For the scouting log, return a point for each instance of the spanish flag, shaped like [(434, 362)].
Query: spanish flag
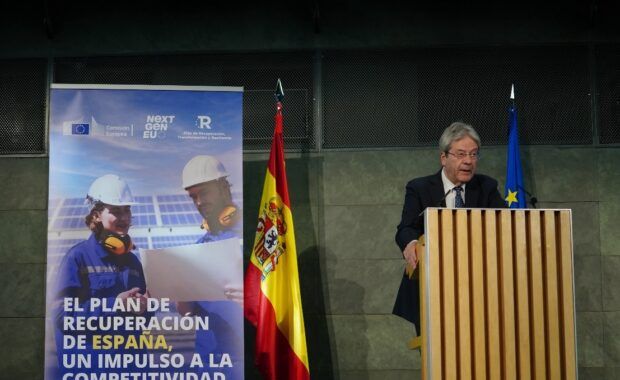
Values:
[(272, 297)]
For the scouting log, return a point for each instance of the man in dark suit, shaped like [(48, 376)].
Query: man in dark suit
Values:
[(455, 185)]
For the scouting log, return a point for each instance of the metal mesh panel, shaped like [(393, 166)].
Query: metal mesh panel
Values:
[(23, 86), (256, 72), (369, 99), (608, 84), (407, 98), (551, 85)]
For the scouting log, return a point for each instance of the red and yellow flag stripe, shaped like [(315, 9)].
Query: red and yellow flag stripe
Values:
[(272, 295)]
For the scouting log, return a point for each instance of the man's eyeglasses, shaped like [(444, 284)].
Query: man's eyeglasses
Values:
[(461, 155)]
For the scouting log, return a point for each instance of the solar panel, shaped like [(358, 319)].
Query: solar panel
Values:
[(177, 207), (181, 219), (173, 198), (144, 213), (74, 202), (143, 209), (70, 215), (144, 220), (143, 199), (73, 211), (173, 241), (69, 223), (178, 210), (140, 242), (80, 211)]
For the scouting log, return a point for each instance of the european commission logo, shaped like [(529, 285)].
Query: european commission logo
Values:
[(76, 129)]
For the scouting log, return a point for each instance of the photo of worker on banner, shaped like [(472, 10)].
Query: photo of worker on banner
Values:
[(144, 269)]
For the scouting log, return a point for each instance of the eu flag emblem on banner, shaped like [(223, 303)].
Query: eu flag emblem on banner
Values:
[(79, 129), (514, 193)]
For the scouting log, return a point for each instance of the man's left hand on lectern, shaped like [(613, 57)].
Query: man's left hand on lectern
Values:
[(412, 254)]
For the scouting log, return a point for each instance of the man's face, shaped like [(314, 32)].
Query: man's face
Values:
[(116, 219), (207, 197), (460, 170)]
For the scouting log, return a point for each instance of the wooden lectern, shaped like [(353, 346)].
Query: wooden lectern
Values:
[(497, 295)]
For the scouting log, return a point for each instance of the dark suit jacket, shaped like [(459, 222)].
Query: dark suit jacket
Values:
[(425, 192)]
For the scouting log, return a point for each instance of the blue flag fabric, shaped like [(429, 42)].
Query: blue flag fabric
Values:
[(514, 194)]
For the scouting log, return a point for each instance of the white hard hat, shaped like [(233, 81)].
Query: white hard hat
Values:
[(202, 169), (110, 189)]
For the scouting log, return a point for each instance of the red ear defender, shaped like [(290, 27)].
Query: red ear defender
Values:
[(116, 243)]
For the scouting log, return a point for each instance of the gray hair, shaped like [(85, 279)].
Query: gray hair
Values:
[(457, 131)]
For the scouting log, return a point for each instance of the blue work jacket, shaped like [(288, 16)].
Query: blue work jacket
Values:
[(88, 271)]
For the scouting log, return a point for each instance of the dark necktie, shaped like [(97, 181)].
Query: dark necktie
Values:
[(458, 199)]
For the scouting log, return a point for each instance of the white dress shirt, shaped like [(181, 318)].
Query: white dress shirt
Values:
[(449, 186)]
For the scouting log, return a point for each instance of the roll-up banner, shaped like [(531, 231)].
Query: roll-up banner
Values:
[(144, 257)]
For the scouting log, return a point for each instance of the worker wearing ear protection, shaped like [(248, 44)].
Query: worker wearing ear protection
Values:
[(102, 267), (206, 181)]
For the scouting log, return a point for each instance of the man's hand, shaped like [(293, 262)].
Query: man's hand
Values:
[(143, 299), (128, 294), (410, 254), (134, 293)]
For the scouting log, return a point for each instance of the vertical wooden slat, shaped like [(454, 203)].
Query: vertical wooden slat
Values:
[(478, 301), (568, 307), (492, 289), (537, 312), (463, 289), (551, 297), (422, 263), (450, 367), (435, 295), (433, 281), (507, 297), (522, 286)]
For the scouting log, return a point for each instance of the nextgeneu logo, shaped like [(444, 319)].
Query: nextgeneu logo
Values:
[(157, 125)]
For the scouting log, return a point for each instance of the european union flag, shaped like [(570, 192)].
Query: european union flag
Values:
[(514, 192), (79, 129)]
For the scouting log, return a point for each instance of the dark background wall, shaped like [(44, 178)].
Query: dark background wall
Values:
[(370, 86)]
